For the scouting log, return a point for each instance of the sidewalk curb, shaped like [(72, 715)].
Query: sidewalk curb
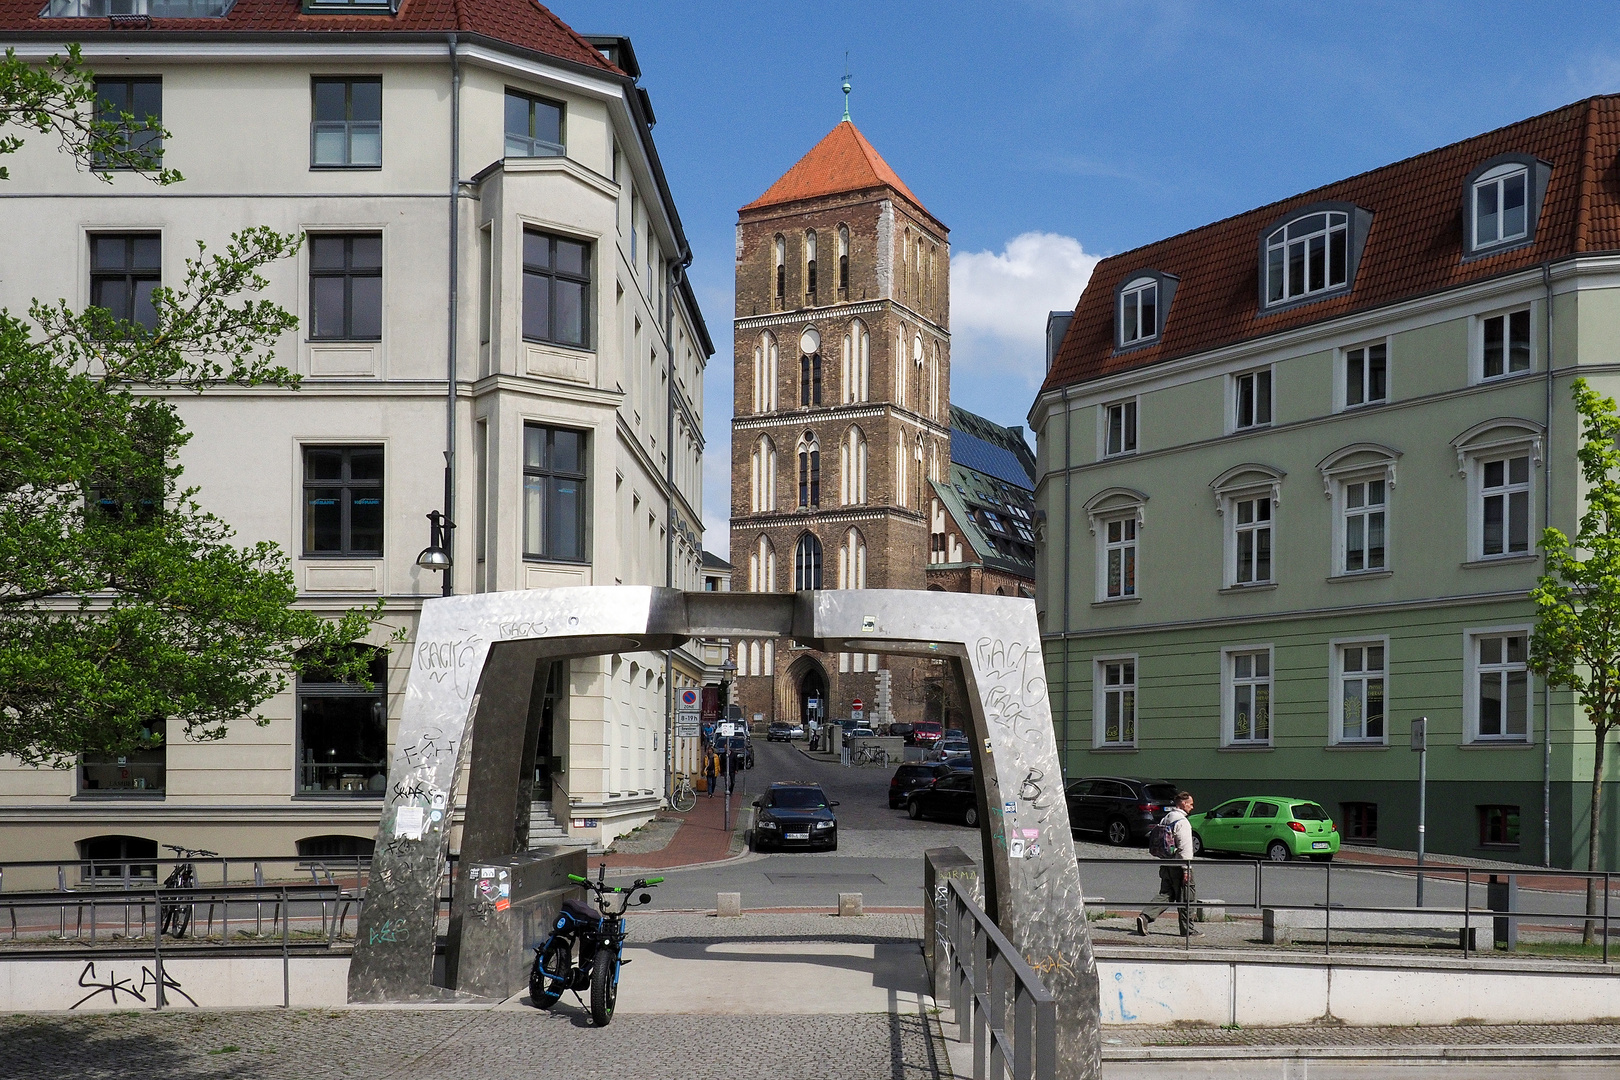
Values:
[(744, 817)]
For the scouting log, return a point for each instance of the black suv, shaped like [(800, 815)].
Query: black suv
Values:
[(795, 815), (1121, 808), (740, 747)]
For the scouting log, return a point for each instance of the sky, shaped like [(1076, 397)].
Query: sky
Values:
[(1050, 133)]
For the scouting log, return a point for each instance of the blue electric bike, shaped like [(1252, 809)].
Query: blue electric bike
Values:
[(600, 936)]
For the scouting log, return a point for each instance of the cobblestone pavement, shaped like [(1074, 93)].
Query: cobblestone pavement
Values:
[(392, 1044), (1330, 1035)]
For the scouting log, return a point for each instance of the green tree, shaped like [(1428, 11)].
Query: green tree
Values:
[(1576, 642), (122, 601)]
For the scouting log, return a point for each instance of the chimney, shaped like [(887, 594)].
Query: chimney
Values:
[(1057, 324)]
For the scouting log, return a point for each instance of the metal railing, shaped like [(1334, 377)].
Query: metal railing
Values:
[(241, 894), (1000, 1004), (1503, 917)]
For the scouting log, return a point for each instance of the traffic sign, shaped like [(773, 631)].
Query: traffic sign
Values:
[(688, 699), (856, 704)]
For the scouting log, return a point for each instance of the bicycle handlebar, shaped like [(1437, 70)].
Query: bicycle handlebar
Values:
[(603, 887)]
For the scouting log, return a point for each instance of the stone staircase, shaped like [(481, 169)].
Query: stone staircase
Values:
[(545, 832)]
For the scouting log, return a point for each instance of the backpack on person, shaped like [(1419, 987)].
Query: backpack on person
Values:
[(1162, 840)]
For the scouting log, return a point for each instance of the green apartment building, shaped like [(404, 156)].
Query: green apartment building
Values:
[(1293, 467)]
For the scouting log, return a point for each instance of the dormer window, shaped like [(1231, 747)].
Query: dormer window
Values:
[(1141, 304), (1499, 205), (1503, 200), (1139, 311), (1308, 256), (1311, 254)]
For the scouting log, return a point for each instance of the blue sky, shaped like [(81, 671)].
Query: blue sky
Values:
[(1047, 133)]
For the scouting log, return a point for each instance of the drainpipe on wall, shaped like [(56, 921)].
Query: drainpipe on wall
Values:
[(450, 363), (1068, 526), (1546, 519)]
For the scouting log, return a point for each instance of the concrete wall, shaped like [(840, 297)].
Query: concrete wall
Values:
[(215, 982), (1174, 988)]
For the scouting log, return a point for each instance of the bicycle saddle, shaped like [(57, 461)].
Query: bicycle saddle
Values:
[(581, 911)]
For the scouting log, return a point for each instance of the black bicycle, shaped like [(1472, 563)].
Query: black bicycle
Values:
[(177, 917), (600, 936)]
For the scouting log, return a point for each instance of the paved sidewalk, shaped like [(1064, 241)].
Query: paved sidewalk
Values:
[(701, 838)]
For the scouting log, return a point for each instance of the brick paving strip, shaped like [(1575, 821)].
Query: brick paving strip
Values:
[(701, 838)]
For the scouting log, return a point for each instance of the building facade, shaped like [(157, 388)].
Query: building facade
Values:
[(1293, 470), (981, 536), (840, 420), (482, 201)]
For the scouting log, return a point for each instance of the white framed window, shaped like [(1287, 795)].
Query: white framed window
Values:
[(1497, 697), (1139, 311), (1309, 255), (1119, 428), (1504, 505), (1363, 529), (1359, 705), (1504, 344), (1119, 558), (1366, 375), (1251, 399), (1500, 202), (1246, 695), (1114, 702), (1250, 524)]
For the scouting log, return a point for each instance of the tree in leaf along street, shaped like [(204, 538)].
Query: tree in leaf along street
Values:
[(123, 603), (1576, 642)]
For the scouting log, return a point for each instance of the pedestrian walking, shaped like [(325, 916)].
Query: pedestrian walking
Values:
[(710, 771), (1172, 838)]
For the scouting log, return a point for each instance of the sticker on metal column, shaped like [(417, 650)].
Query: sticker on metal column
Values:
[(868, 624), (1015, 849)]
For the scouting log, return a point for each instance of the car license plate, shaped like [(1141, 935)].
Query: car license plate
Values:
[(798, 836), (1320, 845)]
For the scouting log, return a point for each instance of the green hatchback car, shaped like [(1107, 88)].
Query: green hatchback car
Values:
[(1276, 827)]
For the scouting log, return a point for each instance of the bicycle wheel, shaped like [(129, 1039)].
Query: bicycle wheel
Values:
[(549, 976), (684, 799), (604, 985)]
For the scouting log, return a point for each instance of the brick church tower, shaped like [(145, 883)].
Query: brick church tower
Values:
[(841, 415)]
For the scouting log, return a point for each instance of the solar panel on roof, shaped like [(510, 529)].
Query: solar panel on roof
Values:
[(996, 461)]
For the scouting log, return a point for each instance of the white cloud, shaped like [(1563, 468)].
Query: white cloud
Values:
[(999, 301)]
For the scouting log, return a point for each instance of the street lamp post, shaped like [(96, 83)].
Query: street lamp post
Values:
[(436, 556)]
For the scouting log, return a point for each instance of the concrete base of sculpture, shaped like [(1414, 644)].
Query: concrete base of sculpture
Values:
[(467, 699)]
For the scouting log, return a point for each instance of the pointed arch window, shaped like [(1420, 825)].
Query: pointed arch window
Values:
[(852, 468), (781, 267), (843, 258), (852, 561), (917, 362), (766, 356), (807, 563), (899, 388), (857, 369), (762, 476), (810, 368), (809, 470), (762, 567), (810, 262)]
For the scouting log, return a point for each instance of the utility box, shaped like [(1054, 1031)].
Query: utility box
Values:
[(500, 912)]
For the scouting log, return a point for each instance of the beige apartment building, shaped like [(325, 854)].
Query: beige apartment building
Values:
[(479, 193)]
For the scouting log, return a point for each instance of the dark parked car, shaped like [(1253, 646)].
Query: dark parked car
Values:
[(795, 815), (912, 775), (901, 730), (780, 731), (740, 747), (952, 797), (1121, 808), (925, 733)]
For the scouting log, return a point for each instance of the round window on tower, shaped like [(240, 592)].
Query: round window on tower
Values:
[(810, 341)]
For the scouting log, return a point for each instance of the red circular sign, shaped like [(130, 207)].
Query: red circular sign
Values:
[(855, 704)]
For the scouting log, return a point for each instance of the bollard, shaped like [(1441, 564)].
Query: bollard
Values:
[(1211, 910), (849, 903), (728, 905)]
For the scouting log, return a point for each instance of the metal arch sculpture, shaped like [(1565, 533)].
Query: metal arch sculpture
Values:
[(466, 701)]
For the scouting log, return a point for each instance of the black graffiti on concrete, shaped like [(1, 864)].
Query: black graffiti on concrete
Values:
[(113, 985)]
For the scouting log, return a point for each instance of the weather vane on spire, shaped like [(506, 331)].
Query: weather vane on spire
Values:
[(846, 86)]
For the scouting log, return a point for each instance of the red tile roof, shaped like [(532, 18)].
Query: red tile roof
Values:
[(1414, 246), (523, 23), (841, 162)]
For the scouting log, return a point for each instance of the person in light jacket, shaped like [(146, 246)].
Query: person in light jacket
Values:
[(1176, 881)]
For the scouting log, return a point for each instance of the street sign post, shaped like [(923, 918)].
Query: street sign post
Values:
[(856, 710)]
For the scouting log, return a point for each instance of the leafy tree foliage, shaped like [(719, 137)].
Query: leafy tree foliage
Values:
[(1576, 643), (123, 601)]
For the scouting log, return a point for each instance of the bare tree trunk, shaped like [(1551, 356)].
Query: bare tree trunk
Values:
[(1589, 928)]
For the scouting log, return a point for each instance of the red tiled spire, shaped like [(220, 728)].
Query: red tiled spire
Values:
[(842, 161)]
